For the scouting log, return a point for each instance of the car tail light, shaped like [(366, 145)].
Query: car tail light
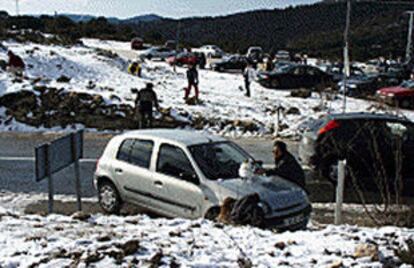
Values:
[(328, 127), (97, 164)]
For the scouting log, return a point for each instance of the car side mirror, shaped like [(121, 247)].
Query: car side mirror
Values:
[(190, 177)]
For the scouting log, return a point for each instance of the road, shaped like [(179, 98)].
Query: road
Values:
[(17, 161)]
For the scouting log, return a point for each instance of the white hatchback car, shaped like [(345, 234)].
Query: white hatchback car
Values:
[(179, 173)]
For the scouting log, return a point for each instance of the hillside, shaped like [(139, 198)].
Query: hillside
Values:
[(377, 29)]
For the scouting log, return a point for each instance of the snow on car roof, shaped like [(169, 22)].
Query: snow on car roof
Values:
[(186, 137)]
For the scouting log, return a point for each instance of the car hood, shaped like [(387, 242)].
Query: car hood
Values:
[(274, 191), (392, 89)]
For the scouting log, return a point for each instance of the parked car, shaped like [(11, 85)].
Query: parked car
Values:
[(184, 58), (179, 173), (337, 72), (137, 43), (255, 54), (282, 55), (210, 51), (160, 53), (365, 85), (233, 63), (370, 143), (402, 95), (294, 76)]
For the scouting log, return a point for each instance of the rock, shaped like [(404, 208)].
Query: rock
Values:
[(92, 257), (130, 247), (301, 93), (192, 101), (293, 110), (280, 245), (244, 262), (336, 264), (367, 250), (3, 65), (80, 216), (63, 79), (104, 238)]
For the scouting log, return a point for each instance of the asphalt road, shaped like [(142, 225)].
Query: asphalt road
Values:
[(17, 161)]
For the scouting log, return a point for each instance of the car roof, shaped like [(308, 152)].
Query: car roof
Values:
[(374, 116), (184, 137)]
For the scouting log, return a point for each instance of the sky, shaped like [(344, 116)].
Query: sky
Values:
[(130, 8)]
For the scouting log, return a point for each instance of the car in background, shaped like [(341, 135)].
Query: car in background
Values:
[(365, 85), (179, 173), (282, 55), (255, 54), (184, 58), (210, 51), (137, 43), (233, 63), (401, 96), (159, 53), (337, 72), (370, 143), (294, 76)]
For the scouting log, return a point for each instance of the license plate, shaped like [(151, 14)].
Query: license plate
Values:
[(294, 220)]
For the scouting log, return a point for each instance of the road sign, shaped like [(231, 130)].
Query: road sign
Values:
[(57, 155)]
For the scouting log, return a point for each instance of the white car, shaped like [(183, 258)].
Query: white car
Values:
[(159, 53), (210, 51), (178, 173)]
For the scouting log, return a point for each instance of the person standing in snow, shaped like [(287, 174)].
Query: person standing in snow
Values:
[(135, 68), (249, 74), (15, 64), (286, 165), (146, 99), (192, 78)]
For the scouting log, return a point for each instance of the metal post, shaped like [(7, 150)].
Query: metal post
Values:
[(17, 7), (410, 37), (340, 191), (77, 171), (49, 178), (347, 69)]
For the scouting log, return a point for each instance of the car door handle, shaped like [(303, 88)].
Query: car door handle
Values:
[(119, 171), (158, 184)]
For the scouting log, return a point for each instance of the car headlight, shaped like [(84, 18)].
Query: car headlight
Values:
[(352, 86), (390, 95)]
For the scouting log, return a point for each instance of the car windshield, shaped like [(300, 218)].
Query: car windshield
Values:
[(408, 84), (220, 160)]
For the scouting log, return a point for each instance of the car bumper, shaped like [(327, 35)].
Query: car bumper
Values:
[(291, 221)]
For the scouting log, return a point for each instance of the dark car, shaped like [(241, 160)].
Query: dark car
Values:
[(365, 85), (231, 64), (294, 76), (337, 72), (372, 145)]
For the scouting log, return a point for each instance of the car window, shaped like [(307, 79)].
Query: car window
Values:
[(311, 71), (136, 152), (298, 71), (173, 161)]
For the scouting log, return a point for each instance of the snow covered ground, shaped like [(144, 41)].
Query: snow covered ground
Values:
[(220, 93), (140, 241)]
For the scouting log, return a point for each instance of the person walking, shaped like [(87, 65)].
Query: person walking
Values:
[(144, 103), (192, 78), (286, 165), (249, 74)]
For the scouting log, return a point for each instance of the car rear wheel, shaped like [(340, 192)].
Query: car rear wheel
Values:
[(405, 103), (274, 84), (109, 198)]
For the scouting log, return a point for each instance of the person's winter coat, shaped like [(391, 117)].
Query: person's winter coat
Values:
[(192, 76), (249, 74), (247, 211), (15, 61), (288, 168), (145, 100)]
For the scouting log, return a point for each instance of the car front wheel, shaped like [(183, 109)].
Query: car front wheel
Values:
[(109, 199)]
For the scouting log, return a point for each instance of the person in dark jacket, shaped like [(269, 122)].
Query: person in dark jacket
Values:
[(192, 78), (15, 64), (146, 99), (286, 166)]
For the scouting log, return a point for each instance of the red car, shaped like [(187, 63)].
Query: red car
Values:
[(184, 58), (402, 95)]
